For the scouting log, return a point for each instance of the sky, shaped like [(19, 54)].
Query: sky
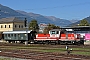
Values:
[(63, 9)]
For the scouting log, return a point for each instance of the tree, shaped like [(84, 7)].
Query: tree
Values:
[(34, 25), (84, 23), (50, 27)]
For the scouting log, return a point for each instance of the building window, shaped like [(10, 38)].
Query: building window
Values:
[(5, 26), (9, 26), (19, 26), (22, 26), (1, 26), (15, 26)]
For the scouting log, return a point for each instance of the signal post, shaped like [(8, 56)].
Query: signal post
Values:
[(26, 26)]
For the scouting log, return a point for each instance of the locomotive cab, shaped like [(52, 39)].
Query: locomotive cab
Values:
[(55, 33)]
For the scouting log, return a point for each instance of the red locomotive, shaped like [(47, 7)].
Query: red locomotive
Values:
[(58, 36)]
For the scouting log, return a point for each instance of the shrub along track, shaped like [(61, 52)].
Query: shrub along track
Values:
[(38, 55)]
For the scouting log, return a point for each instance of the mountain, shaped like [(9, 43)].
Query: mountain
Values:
[(46, 19), (78, 22), (88, 19), (58, 21), (74, 21), (8, 12)]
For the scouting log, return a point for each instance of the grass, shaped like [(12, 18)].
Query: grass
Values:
[(7, 58), (4, 59), (86, 49), (80, 51)]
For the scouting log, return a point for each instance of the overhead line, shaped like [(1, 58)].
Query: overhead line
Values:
[(59, 6)]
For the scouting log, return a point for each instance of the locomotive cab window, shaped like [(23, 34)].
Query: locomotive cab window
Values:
[(57, 32), (54, 32)]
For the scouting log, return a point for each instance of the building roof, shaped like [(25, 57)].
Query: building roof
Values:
[(12, 19)]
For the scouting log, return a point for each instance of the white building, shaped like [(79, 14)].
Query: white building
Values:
[(42, 26)]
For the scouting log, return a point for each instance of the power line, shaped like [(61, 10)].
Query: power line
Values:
[(59, 6)]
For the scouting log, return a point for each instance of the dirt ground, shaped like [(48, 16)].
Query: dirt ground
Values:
[(33, 55)]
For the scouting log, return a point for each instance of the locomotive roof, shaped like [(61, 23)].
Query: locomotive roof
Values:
[(14, 32), (55, 30)]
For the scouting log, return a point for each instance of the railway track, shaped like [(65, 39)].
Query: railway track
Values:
[(34, 55), (25, 54)]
